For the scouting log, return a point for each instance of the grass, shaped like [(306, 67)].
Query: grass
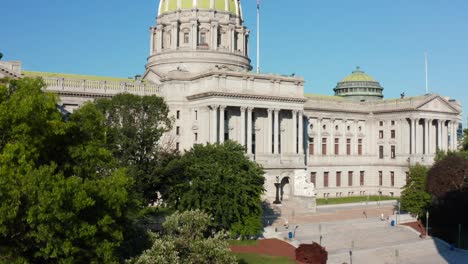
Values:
[(353, 199), (251, 258), (243, 242)]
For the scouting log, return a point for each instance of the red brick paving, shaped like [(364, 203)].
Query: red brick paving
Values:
[(271, 247)]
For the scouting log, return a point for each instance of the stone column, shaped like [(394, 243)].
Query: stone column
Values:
[(159, 38), (454, 135), (439, 134), (318, 138), (275, 132), (221, 123), (413, 136), (213, 123), (249, 130), (152, 40), (175, 35), (301, 132), (242, 126), (444, 136), (194, 35), (269, 131), (427, 130), (294, 137), (214, 36)]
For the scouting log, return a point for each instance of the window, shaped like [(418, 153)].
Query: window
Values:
[(360, 146), (313, 178), (381, 153), (177, 130), (407, 177), (393, 122), (177, 146), (196, 136), (380, 178), (381, 123), (338, 178), (196, 114), (325, 179), (350, 178), (311, 146), (186, 37), (337, 146), (348, 146), (392, 154), (178, 114), (381, 134), (202, 38), (392, 178), (336, 127), (361, 178), (392, 134), (324, 146)]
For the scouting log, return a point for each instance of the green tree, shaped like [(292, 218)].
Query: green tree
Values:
[(1, 56), (135, 127), (448, 175), (465, 140), (220, 180), (414, 197), (63, 200), (186, 241)]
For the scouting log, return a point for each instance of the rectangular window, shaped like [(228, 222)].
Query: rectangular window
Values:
[(325, 179), (337, 146), (196, 137), (381, 153), (178, 114), (177, 146), (360, 146), (380, 178), (177, 130), (202, 38), (393, 122), (407, 177), (381, 134), (392, 154), (186, 38), (350, 178), (361, 178), (381, 123), (338, 178), (392, 134), (196, 114), (311, 146), (313, 178), (392, 178), (324, 146), (348, 146)]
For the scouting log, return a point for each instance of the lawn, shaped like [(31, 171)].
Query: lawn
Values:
[(353, 199), (251, 258)]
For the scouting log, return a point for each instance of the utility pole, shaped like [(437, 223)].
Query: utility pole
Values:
[(258, 36), (427, 72)]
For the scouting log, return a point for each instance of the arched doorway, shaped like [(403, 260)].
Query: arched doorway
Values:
[(285, 189)]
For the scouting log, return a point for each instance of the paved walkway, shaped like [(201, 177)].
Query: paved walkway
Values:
[(372, 240)]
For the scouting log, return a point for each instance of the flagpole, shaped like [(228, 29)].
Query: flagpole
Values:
[(258, 36), (427, 74)]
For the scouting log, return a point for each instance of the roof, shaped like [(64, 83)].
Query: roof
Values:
[(75, 76), (232, 6), (358, 76)]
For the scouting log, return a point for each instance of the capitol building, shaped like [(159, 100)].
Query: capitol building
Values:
[(350, 144)]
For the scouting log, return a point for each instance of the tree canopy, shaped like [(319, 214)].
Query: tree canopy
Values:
[(221, 180), (188, 239), (63, 200), (135, 125), (448, 175), (414, 197)]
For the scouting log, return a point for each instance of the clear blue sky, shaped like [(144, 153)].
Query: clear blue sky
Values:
[(322, 41)]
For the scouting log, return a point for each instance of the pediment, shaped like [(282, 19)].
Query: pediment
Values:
[(437, 104)]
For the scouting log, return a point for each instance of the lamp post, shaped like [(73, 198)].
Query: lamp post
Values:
[(320, 231), (277, 185), (398, 215), (427, 223)]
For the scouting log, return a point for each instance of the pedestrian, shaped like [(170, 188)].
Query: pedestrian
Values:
[(365, 214), (382, 217)]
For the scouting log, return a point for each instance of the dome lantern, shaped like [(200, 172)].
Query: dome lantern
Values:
[(359, 86)]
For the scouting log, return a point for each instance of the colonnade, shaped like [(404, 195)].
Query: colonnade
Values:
[(273, 129), (435, 134)]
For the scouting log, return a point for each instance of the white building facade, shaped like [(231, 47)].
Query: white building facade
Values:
[(353, 143)]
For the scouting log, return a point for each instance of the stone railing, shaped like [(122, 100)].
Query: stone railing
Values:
[(100, 87)]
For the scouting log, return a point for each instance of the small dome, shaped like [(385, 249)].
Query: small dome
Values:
[(232, 6), (359, 86)]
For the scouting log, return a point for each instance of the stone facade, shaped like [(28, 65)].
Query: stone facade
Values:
[(325, 146)]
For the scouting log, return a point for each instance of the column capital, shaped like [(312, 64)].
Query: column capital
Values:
[(243, 108), (276, 110), (213, 107), (250, 108), (295, 111), (269, 110), (222, 107)]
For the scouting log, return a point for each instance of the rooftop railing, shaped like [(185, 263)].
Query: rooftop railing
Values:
[(100, 87)]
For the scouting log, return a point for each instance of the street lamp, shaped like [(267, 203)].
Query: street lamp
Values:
[(427, 223), (277, 185)]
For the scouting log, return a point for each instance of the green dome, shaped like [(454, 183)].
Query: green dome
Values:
[(359, 86), (232, 6), (358, 76)]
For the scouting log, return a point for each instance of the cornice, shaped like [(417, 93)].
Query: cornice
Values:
[(246, 97)]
